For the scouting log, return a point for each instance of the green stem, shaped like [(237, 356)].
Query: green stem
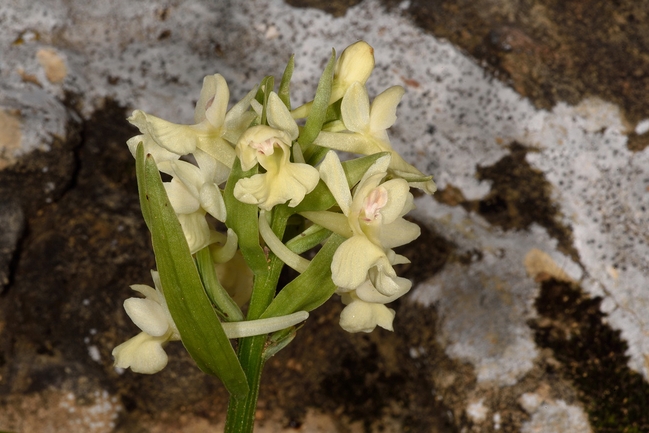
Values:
[(241, 412)]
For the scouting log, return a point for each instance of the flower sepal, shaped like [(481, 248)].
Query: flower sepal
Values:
[(321, 198)]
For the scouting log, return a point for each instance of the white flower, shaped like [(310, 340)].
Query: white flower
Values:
[(367, 131), (215, 130), (144, 353), (270, 147)]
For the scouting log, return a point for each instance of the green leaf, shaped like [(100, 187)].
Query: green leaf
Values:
[(285, 84), (242, 218), (356, 168), (199, 326), (321, 199), (312, 288), (308, 239), (318, 112)]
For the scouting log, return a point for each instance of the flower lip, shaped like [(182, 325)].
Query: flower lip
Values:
[(265, 147), (260, 140), (373, 203)]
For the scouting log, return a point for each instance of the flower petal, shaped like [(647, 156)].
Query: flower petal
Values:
[(380, 166), (352, 261), (279, 117), (181, 199), (333, 175), (211, 169), (239, 117), (258, 139), (368, 293), (385, 279), (147, 315), (384, 108), (159, 153), (190, 175), (142, 353), (398, 193), (399, 232), (147, 291), (289, 183), (252, 190), (217, 104), (360, 316), (213, 101), (355, 108), (347, 142), (354, 64), (215, 146), (175, 138), (212, 201), (216, 111), (196, 230)]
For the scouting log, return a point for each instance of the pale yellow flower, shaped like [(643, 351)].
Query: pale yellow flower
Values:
[(375, 217), (193, 191), (366, 131), (372, 219), (145, 353), (355, 64), (216, 130), (361, 316), (283, 180), (270, 146)]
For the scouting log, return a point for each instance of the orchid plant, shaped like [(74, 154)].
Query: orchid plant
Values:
[(220, 226)]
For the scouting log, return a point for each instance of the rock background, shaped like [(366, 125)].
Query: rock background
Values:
[(530, 310)]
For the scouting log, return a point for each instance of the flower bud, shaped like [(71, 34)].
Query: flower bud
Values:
[(354, 64)]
